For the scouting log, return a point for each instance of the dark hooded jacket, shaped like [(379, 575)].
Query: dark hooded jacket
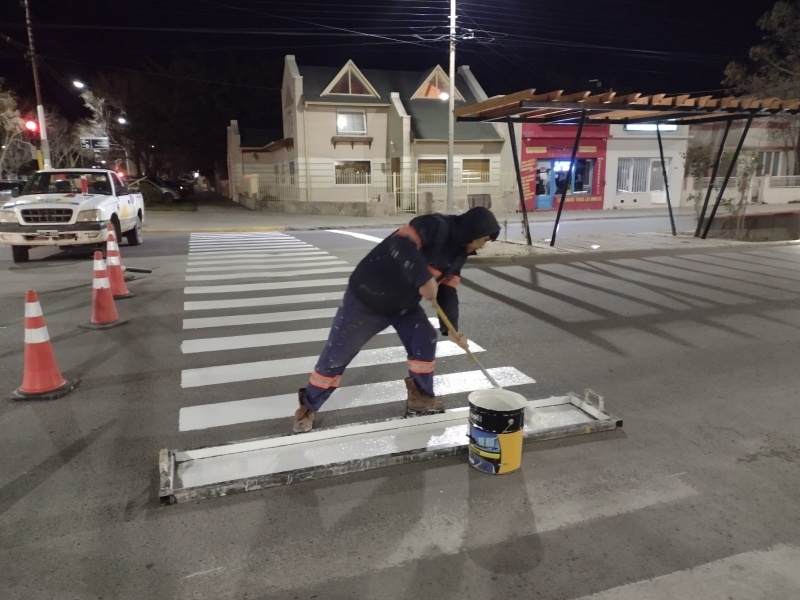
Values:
[(387, 280)]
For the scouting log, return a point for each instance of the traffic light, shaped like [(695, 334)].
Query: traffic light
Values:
[(32, 127)]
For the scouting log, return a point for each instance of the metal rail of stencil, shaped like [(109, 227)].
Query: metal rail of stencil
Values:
[(208, 472)]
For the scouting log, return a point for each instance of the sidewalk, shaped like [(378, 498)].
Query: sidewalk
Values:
[(215, 213)]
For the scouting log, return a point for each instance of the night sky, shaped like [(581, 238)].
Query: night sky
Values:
[(629, 45)]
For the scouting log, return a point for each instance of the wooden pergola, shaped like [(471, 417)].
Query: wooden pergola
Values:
[(557, 108)]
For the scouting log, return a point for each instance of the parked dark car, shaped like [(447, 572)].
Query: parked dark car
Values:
[(170, 190)]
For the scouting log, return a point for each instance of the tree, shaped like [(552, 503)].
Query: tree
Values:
[(65, 146), (15, 151), (774, 68)]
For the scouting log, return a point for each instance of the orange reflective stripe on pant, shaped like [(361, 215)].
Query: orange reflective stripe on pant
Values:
[(407, 231), (321, 381), (421, 366)]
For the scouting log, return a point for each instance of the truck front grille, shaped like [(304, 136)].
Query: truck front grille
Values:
[(46, 215)]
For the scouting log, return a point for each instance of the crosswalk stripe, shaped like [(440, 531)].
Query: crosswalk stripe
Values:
[(261, 274), (220, 414), (318, 261), (264, 301), (298, 366), (246, 246), (361, 236), (248, 253), (273, 317), (264, 340), (232, 260), (234, 236), (262, 287)]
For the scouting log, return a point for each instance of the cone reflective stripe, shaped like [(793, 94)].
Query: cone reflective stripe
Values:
[(115, 275), (104, 311), (41, 377)]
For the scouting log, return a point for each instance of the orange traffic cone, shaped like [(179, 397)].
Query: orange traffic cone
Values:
[(104, 312), (125, 275), (41, 379), (115, 276)]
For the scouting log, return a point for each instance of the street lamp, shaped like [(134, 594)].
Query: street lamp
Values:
[(122, 120), (79, 84)]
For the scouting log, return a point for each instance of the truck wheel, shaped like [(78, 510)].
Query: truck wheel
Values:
[(134, 236), (19, 253), (117, 228)]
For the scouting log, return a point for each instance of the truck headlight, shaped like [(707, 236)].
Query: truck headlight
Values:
[(90, 215), (8, 216)]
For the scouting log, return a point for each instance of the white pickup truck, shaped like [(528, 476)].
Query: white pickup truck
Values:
[(70, 207)]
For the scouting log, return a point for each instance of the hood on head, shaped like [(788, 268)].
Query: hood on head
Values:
[(476, 223)]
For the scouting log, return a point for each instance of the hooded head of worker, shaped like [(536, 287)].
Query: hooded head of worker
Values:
[(475, 228)]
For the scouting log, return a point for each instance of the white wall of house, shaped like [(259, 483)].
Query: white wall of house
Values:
[(641, 189)]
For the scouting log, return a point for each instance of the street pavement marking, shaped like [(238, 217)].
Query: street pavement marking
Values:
[(266, 369), (261, 274), (237, 236), (324, 261), (757, 575), (251, 319), (256, 260), (264, 340), (262, 287), (195, 248), (264, 301), (361, 236), (197, 256), (221, 414)]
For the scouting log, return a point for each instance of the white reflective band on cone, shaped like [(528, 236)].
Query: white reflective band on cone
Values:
[(100, 283), (36, 336), (113, 261), (111, 246), (100, 265), (33, 309)]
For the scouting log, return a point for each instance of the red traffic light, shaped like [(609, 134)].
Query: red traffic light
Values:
[(32, 126)]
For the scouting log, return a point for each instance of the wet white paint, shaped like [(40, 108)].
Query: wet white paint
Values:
[(262, 287), (322, 260), (263, 340), (259, 246), (361, 236), (253, 319), (303, 365), (222, 254), (261, 274), (234, 412), (261, 260), (264, 301)]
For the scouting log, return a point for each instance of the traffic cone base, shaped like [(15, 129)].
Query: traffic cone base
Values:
[(104, 325), (41, 379)]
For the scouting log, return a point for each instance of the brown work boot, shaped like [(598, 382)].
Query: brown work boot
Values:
[(420, 404), (303, 416)]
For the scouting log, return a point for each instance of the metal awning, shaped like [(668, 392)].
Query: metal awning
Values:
[(557, 108)]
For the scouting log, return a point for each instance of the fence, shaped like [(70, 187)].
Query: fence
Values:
[(766, 189)]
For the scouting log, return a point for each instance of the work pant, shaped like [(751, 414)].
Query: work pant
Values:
[(353, 326)]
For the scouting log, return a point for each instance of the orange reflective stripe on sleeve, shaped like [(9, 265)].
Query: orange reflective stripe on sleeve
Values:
[(321, 381), (452, 281), (407, 231), (434, 271), (421, 366)]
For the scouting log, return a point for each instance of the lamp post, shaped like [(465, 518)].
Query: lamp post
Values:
[(39, 107), (450, 108)]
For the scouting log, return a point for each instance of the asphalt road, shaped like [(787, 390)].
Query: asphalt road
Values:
[(696, 496)]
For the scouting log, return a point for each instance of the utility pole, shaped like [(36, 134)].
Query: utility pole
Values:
[(450, 107), (39, 107)]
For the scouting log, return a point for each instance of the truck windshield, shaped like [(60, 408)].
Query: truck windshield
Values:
[(68, 183)]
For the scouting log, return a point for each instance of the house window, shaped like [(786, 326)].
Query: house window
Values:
[(640, 175), (475, 170), (432, 170), (351, 123), (437, 87), (353, 172), (769, 163), (577, 180)]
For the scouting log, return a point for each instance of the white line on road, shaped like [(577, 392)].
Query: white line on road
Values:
[(260, 274), (249, 253), (221, 414), (275, 317), (299, 366), (246, 246), (361, 236), (233, 235), (264, 301), (319, 261), (262, 287), (244, 260)]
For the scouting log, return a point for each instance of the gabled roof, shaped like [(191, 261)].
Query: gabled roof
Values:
[(428, 116), (349, 82), (431, 86)]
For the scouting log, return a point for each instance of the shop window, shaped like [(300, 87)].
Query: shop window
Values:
[(432, 170), (353, 172), (577, 180), (475, 170)]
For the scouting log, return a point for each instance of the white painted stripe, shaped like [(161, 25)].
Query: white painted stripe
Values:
[(221, 414), (259, 246), (262, 287), (233, 235), (261, 274), (232, 260), (286, 240), (264, 301), (758, 575), (99, 265), (299, 366), (320, 261), (33, 309), (100, 283), (248, 243), (36, 336), (264, 340), (113, 261), (361, 236), (276, 317), (248, 253)]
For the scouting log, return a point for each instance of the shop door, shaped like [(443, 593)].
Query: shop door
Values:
[(544, 184)]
